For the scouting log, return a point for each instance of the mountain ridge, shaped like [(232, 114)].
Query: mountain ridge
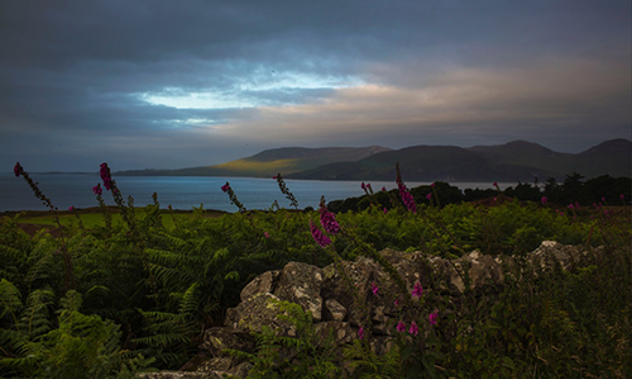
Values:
[(517, 160)]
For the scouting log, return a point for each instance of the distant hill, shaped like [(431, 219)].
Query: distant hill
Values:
[(511, 162), (514, 161), (268, 163)]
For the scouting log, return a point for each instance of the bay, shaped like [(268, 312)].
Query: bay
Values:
[(184, 192)]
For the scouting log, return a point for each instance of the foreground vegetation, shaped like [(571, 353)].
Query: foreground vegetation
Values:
[(107, 299)]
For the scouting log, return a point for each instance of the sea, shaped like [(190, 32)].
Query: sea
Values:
[(184, 192)]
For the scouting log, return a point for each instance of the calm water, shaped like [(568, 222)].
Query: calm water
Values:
[(183, 192)]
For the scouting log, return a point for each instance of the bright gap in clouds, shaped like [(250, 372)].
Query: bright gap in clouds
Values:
[(250, 92)]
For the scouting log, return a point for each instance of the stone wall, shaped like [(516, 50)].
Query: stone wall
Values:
[(327, 295)]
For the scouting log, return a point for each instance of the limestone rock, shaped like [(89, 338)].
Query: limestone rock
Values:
[(255, 313), (342, 332), (333, 310), (264, 283), (300, 283), (483, 269), (216, 364), (218, 339), (550, 251), (241, 370)]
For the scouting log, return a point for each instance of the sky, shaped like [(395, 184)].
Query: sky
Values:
[(172, 84)]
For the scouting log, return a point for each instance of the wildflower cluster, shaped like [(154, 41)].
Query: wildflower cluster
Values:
[(417, 290), (328, 222), (106, 176), (401, 327), (406, 196), (318, 236), (328, 219), (367, 188)]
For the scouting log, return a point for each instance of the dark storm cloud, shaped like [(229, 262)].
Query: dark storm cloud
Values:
[(173, 84)]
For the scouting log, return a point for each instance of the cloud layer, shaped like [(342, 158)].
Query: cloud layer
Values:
[(166, 84)]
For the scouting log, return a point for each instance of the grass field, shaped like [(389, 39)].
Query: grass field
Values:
[(92, 217)]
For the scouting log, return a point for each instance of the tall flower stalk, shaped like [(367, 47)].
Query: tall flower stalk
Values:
[(107, 217), (69, 281), (283, 187), (233, 198), (328, 219), (406, 196), (127, 210)]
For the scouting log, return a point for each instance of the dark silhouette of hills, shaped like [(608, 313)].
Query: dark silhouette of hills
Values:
[(514, 161), (268, 163)]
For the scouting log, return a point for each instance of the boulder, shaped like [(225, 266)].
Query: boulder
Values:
[(252, 315), (301, 283), (264, 283), (218, 339)]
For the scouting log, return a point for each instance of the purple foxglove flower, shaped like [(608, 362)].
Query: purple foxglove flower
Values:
[(622, 197), (429, 196), (71, 208), (432, 185), (544, 200), (384, 189), (432, 318), (97, 189), (18, 170), (417, 290), (266, 234), (363, 186), (414, 330), (374, 288), (318, 236), (401, 327), (328, 220), (105, 176), (408, 200), (226, 187), (361, 332)]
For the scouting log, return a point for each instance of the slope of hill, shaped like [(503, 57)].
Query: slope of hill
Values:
[(613, 157), (514, 161), (526, 154), (270, 162)]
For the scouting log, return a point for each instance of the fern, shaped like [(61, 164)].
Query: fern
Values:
[(34, 318), (11, 301), (314, 358)]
